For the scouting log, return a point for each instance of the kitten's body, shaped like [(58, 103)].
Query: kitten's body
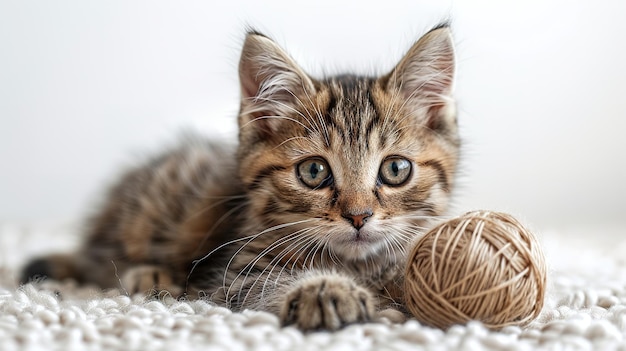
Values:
[(311, 216)]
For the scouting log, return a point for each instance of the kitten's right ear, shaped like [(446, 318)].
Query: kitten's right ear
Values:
[(270, 82)]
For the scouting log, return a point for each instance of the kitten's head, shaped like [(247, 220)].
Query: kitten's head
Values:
[(350, 164)]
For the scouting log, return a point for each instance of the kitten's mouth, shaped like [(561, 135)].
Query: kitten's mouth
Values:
[(360, 237)]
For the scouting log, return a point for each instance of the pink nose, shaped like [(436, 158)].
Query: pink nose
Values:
[(358, 220)]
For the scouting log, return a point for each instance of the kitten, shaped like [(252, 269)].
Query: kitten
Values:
[(311, 216)]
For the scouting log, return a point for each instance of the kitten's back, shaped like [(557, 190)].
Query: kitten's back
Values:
[(166, 212)]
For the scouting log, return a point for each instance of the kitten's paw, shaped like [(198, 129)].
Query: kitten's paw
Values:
[(327, 302), (391, 315), (151, 280)]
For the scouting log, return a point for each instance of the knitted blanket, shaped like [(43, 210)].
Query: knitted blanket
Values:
[(585, 309)]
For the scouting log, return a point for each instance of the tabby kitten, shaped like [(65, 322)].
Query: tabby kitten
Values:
[(311, 216)]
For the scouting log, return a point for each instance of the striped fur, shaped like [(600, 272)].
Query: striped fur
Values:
[(242, 228)]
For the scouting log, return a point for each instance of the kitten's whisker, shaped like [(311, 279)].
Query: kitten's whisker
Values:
[(300, 245), (277, 243), (408, 232), (396, 247), (199, 260), (216, 224), (309, 254), (252, 264), (333, 255), (295, 255), (288, 251), (250, 238), (325, 252), (278, 258), (387, 245), (319, 245), (298, 254)]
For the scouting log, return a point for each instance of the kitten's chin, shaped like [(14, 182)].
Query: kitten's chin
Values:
[(358, 246)]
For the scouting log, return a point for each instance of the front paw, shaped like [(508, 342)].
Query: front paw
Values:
[(326, 302)]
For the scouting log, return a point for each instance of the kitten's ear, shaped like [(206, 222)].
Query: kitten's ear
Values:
[(270, 83), (425, 77)]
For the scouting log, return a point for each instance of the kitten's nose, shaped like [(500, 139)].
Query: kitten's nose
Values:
[(358, 220)]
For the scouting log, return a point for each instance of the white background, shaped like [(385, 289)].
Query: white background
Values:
[(87, 88)]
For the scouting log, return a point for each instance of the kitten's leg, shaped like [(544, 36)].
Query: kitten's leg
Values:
[(151, 280), (78, 267), (131, 279), (57, 267)]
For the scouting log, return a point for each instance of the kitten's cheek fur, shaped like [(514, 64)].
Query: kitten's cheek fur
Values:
[(326, 301)]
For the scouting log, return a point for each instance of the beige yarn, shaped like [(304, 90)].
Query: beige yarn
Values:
[(481, 266)]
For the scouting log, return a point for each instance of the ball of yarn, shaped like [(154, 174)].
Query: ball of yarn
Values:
[(482, 266)]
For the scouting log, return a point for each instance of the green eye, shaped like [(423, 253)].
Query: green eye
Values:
[(315, 173), (395, 171)]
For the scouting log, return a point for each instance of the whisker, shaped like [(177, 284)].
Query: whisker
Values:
[(250, 238), (252, 264), (216, 224), (304, 246), (312, 254), (277, 227), (277, 259)]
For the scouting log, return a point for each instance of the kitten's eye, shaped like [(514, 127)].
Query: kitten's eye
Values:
[(395, 171), (315, 173)]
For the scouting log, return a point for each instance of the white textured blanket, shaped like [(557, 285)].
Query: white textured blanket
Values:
[(585, 309)]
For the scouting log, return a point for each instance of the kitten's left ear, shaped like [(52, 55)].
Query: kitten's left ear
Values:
[(425, 77)]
